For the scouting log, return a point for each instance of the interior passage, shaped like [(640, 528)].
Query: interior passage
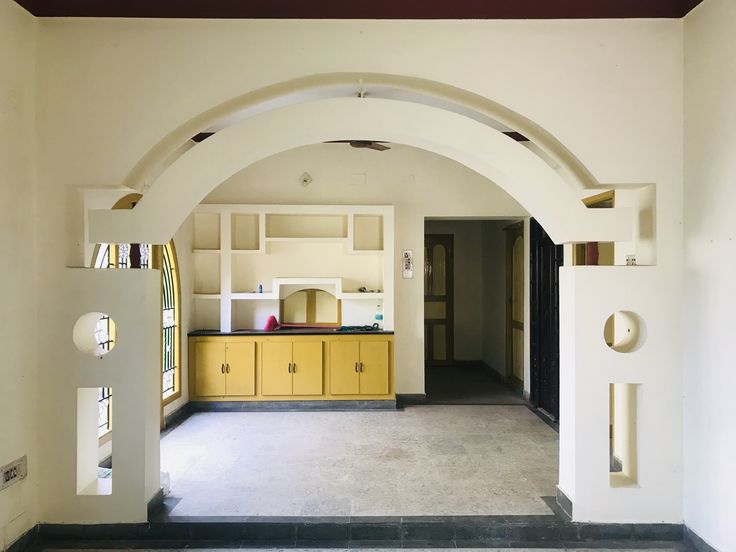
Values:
[(425, 460)]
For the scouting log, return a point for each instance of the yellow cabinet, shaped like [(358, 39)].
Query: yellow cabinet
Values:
[(359, 368), (224, 368), (291, 368)]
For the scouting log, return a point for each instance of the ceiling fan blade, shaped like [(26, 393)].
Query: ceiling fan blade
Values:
[(378, 146)]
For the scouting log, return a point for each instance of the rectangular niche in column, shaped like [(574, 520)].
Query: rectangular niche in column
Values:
[(624, 399), (94, 420)]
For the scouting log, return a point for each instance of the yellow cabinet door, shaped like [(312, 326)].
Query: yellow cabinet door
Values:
[(374, 368), (307, 368), (344, 358), (209, 368), (276, 368), (240, 368)]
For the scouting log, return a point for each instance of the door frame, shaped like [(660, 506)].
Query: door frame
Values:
[(513, 231), (449, 298)]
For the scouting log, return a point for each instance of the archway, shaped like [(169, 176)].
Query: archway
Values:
[(532, 182)]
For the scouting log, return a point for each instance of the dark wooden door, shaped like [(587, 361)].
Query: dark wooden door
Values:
[(438, 299), (546, 259)]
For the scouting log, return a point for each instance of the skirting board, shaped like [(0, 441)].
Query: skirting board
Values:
[(290, 406), (564, 502), (26, 541), (694, 540)]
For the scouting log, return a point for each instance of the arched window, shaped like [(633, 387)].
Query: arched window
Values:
[(144, 256), (171, 348)]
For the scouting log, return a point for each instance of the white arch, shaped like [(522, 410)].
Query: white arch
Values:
[(345, 84), (532, 182)]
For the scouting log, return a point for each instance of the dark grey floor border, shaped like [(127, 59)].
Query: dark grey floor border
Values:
[(155, 504), (25, 541), (357, 532), (290, 406), (410, 399), (564, 502), (697, 542)]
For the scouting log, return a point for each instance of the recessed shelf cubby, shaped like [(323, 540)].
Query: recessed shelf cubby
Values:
[(239, 247), (245, 232), (306, 226), (368, 233), (206, 231)]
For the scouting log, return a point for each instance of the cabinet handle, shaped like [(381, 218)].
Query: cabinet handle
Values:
[(361, 366), (222, 368), (356, 367), (290, 367), (293, 368), (227, 368)]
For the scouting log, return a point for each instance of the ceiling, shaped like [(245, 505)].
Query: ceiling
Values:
[(365, 9)]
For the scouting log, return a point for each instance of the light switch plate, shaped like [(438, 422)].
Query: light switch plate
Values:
[(13, 472)]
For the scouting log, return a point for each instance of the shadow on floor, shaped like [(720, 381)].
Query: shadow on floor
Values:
[(468, 384)]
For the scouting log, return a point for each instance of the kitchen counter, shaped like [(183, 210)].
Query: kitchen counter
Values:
[(290, 331)]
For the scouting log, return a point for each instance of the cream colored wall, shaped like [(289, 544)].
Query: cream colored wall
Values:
[(710, 253), (415, 182), (18, 369), (611, 91)]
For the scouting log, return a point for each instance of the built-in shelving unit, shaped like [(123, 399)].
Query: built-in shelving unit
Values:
[(237, 248)]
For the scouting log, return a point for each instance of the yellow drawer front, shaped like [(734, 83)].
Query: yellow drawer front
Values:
[(210, 360), (344, 379), (241, 369), (275, 374), (374, 369), (307, 370)]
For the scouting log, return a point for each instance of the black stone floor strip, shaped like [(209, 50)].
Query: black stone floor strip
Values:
[(362, 532)]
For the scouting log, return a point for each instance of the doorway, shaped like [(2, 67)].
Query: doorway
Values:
[(439, 304), (546, 259), (515, 261)]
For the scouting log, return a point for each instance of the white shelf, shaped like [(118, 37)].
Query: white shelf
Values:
[(359, 295), (249, 296), (206, 251), (206, 295), (308, 240), (245, 251)]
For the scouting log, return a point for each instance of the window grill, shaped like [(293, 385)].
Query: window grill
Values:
[(169, 356)]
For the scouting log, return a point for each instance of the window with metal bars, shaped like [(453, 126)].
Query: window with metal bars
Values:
[(139, 255), (169, 354)]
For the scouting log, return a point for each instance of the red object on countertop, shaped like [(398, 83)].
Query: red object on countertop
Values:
[(271, 324)]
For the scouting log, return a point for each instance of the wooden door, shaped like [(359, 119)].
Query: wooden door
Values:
[(344, 359), (276, 368), (307, 368), (210, 368), (438, 299), (546, 258), (373, 368), (240, 368), (515, 261)]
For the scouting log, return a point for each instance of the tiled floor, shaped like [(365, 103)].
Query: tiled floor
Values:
[(468, 384), (426, 460)]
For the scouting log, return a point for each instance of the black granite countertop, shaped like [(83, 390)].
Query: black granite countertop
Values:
[(292, 331)]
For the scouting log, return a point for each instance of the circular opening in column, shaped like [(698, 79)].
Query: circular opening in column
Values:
[(94, 334), (624, 331)]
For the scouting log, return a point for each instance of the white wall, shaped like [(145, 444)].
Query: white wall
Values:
[(18, 369), (611, 91), (416, 183), (710, 249)]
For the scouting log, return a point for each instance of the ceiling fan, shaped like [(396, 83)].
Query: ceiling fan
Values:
[(362, 144)]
